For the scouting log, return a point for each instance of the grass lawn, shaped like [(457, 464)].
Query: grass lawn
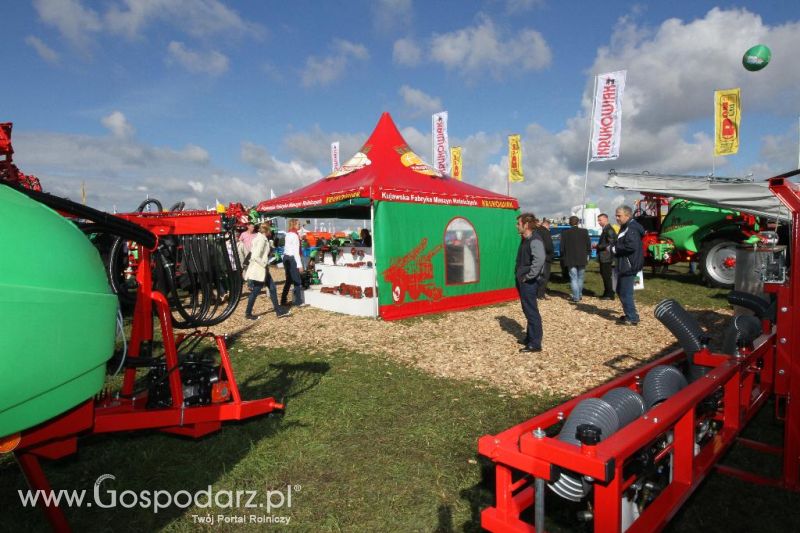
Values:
[(366, 445)]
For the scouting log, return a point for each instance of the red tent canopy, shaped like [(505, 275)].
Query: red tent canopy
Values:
[(385, 169)]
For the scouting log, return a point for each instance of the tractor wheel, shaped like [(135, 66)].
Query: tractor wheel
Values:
[(717, 260)]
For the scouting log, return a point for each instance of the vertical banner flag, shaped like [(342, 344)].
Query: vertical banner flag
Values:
[(607, 116), (441, 151), (335, 156), (455, 162), (727, 116), (515, 159)]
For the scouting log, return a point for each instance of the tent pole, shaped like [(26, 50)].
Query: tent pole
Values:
[(374, 255)]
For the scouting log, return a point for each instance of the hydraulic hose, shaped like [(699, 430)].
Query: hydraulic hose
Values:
[(147, 202)]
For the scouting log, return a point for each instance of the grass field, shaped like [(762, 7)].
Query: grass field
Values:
[(366, 444)]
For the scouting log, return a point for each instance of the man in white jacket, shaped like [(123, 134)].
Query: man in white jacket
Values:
[(258, 275)]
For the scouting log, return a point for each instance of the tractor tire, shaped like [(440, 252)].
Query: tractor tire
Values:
[(713, 258)]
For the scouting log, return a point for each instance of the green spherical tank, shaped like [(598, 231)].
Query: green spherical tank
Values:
[(57, 314), (756, 58)]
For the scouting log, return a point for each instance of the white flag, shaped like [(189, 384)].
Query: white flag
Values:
[(441, 148), (335, 156), (271, 194), (607, 116)]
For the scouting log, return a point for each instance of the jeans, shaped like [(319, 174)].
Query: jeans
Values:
[(576, 275), (255, 289), (625, 292), (292, 278), (530, 307)]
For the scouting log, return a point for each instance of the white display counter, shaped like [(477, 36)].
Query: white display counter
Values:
[(333, 275)]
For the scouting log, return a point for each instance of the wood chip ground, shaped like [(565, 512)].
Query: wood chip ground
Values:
[(583, 346)]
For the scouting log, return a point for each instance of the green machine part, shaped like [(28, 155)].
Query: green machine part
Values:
[(57, 314), (687, 223)]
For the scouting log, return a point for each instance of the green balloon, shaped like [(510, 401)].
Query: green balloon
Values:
[(756, 58)]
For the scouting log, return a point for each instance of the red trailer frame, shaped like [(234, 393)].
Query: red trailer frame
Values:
[(58, 437), (525, 457)]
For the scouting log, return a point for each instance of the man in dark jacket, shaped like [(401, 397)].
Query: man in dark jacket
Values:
[(630, 260), (576, 247), (608, 237), (528, 274), (543, 230)]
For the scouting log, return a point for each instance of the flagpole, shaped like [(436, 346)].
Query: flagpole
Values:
[(588, 152)]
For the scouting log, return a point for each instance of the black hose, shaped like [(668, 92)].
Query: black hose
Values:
[(148, 202), (742, 331), (177, 206), (114, 224), (762, 308)]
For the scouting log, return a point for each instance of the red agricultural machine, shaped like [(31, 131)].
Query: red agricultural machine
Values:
[(632, 451), (186, 274)]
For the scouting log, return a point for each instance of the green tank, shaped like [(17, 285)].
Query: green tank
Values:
[(57, 314)]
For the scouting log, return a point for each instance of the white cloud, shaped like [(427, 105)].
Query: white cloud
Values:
[(392, 15), (312, 148), (79, 25), (520, 6), (418, 102), (198, 18), (213, 62), (674, 69), (486, 48), (75, 22), (44, 51), (277, 175), (406, 52), (118, 125), (326, 70)]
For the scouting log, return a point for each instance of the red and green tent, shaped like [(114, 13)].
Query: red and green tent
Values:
[(439, 244)]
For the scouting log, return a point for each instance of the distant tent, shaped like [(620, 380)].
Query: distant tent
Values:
[(439, 244)]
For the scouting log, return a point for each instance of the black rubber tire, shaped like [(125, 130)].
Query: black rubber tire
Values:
[(714, 274)]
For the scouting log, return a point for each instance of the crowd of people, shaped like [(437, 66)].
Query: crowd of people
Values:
[(619, 254)]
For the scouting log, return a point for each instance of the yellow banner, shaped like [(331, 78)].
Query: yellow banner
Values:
[(515, 159), (455, 162), (727, 117)]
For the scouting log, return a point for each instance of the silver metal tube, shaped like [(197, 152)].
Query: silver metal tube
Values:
[(539, 505)]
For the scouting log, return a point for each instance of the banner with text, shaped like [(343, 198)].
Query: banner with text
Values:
[(727, 117), (455, 162), (607, 116), (335, 156), (515, 174), (441, 151)]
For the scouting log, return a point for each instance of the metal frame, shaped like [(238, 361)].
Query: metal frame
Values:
[(58, 437), (525, 456)]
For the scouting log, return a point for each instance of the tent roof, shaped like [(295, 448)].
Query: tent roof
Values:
[(384, 169)]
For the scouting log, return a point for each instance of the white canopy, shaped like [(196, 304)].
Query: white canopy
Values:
[(739, 194)]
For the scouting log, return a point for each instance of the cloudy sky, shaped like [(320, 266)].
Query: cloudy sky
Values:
[(198, 100)]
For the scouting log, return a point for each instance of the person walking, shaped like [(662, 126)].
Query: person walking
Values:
[(528, 274), (608, 237), (630, 260), (576, 247), (293, 265), (257, 274), (543, 230)]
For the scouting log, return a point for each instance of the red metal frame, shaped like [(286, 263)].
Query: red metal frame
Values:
[(58, 437), (745, 382)]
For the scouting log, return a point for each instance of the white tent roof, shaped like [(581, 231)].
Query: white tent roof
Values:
[(739, 194)]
